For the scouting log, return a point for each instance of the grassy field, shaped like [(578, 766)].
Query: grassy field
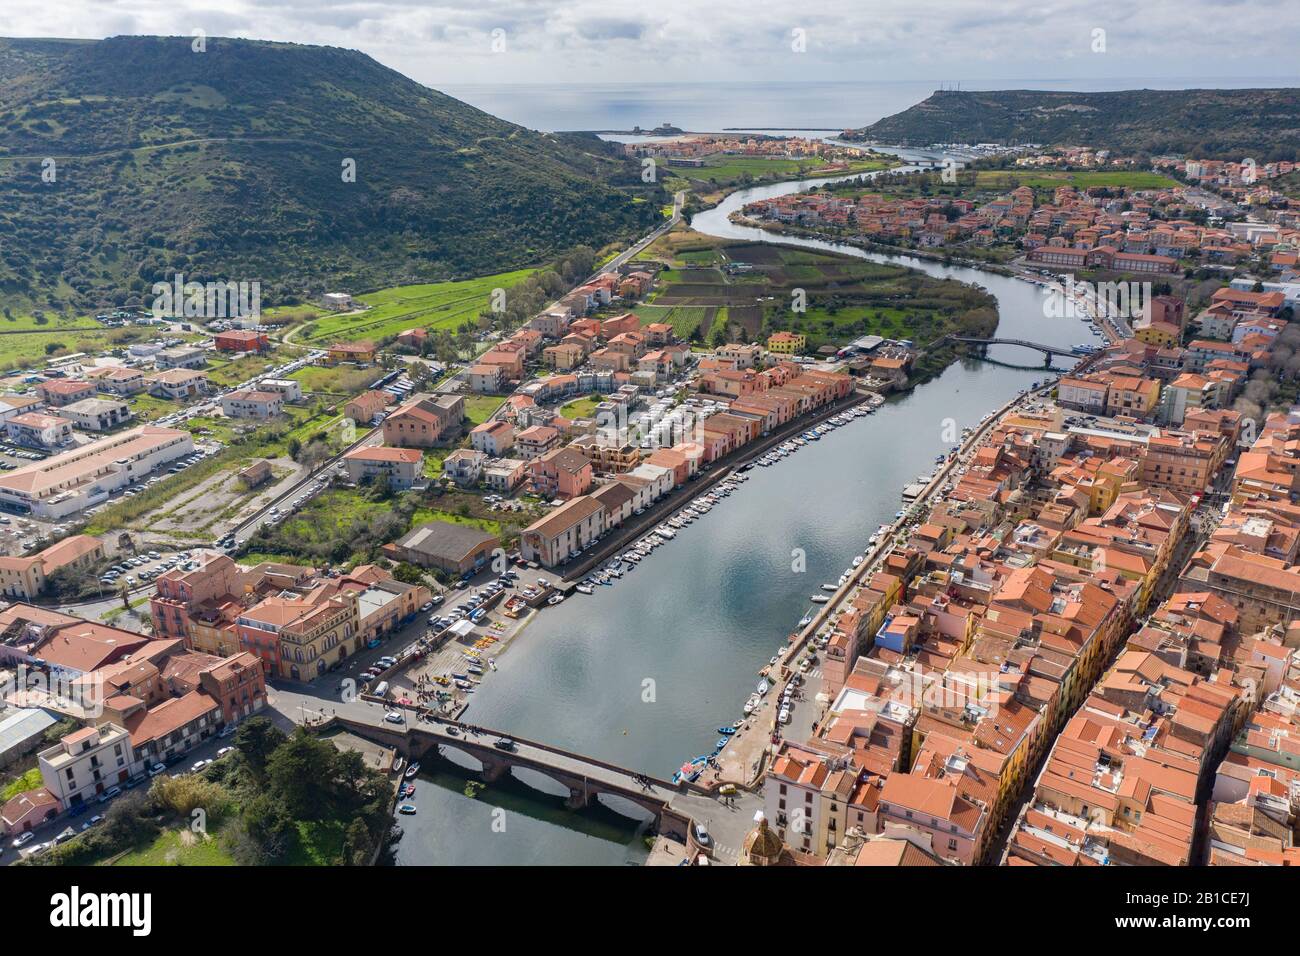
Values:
[(180, 847), (479, 408), (1080, 179), (845, 297), (726, 169), (684, 319), (425, 515), (580, 408), (438, 305)]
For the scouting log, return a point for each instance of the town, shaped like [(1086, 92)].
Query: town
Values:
[(1094, 578), (793, 495)]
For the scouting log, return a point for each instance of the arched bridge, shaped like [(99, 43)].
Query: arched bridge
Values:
[(1049, 351), (584, 777)]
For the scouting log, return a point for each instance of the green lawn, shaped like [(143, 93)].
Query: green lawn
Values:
[(479, 408), (178, 848), (437, 305), (425, 515), (581, 408)]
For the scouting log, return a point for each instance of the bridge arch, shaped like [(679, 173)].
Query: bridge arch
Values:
[(625, 807), (461, 757)]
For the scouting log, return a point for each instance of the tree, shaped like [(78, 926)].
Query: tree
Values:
[(256, 739), (300, 775), (264, 832), (357, 845)]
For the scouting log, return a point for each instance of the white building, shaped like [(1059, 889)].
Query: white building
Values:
[(65, 484), (86, 763), (97, 414), (288, 389)]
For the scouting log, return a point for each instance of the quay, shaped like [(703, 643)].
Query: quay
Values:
[(638, 526)]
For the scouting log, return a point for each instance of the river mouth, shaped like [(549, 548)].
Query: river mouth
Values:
[(644, 672)]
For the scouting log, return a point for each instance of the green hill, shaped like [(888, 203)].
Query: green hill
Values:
[(228, 165), (1211, 124)]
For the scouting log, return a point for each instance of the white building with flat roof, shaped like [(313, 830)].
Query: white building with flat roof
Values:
[(86, 763), (65, 484)]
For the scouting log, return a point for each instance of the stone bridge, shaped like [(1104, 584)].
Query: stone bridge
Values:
[(585, 778)]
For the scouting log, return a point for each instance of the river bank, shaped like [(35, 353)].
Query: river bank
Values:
[(643, 676)]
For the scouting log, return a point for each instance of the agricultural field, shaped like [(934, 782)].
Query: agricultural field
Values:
[(983, 185), (1050, 179), (686, 320), (434, 306), (722, 170), (746, 291)]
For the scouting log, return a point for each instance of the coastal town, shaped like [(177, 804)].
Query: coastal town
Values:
[(778, 496), (1075, 644)]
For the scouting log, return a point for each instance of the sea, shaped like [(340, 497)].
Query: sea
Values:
[(810, 106)]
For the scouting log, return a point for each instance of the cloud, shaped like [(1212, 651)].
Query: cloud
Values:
[(450, 42)]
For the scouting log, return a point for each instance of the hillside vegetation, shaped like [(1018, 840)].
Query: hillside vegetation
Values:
[(1209, 124), (229, 165)]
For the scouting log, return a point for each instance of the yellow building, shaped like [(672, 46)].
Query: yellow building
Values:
[(1159, 334), (1132, 395), (786, 343), (24, 578)]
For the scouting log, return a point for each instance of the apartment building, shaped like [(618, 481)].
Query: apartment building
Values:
[(427, 422), (254, 404), (97, 414), (400, 468), (86, 763), (568, 529)]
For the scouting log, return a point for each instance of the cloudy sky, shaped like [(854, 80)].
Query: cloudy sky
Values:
[(454, 42)]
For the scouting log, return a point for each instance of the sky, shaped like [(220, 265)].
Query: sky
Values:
[(977, 42)]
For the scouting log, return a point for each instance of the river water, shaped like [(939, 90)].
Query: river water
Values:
[(642, 673)]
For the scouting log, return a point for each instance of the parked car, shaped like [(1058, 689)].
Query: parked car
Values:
[(23, 839), (109, 794)]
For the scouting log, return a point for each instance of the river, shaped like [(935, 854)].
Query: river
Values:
[(643, 672)]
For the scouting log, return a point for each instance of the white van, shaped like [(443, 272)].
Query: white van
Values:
[(381, 689)]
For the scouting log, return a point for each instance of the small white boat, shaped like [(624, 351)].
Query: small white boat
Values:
[(584, 589), (751, 704), (763, 687), (819, 599)]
